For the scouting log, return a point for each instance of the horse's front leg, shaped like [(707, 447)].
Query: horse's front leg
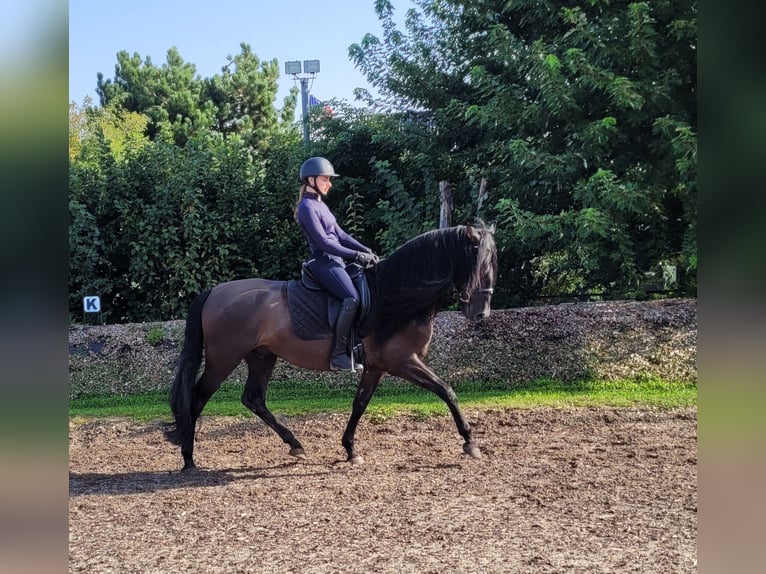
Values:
[(364, 391), (415, 371)]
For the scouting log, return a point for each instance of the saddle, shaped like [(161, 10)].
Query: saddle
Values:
[(314, 311)]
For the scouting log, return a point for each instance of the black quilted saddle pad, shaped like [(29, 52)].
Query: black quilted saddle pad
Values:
[(308, 312)]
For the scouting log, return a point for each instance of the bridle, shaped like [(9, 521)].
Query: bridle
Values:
[(465, 298)]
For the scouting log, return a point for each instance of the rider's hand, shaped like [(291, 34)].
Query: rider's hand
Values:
[(366, 259)]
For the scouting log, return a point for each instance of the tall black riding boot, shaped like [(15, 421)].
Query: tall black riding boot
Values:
[(340, 360)]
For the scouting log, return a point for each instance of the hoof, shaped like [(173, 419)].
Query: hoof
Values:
[(356, 459), (190, 469), (472, 450), (298, 452)]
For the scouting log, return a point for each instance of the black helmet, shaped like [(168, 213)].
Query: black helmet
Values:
[(315, 166)]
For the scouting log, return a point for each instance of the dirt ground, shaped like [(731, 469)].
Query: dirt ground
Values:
[(574, 490)]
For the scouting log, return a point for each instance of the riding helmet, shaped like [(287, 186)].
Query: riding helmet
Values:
[(315, 166)]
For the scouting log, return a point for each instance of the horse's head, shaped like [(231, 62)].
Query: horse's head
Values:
[(475, 297)]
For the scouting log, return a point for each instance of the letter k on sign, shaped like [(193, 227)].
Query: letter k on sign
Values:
[(91, 304)]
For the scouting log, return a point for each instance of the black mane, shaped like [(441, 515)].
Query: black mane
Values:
[(423, 276)]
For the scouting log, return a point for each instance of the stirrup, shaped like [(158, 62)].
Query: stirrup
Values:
[(341, 362)]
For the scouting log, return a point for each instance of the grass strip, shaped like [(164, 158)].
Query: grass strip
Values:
[(298, 398)]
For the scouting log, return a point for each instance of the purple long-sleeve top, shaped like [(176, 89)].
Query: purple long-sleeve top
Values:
[(322, 230)]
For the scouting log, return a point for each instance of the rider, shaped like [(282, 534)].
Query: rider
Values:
[(329, 246)]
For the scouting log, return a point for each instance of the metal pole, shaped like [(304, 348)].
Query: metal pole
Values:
[(305, 108)]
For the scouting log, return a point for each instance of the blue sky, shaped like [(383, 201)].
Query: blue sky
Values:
[(205, 33)]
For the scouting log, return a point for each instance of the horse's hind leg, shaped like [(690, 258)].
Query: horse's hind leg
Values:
[(208, 383), (260, 365)]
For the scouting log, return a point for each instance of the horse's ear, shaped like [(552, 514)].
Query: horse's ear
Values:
[(491, 229), (474, 235)]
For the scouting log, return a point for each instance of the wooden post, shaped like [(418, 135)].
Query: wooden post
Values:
[(445, 213), (482, 195)]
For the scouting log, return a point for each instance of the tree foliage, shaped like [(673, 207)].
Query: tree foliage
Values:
[(582, 116), (168, 188), (570, 124), (163, 224), (180, 104), (387, 186)]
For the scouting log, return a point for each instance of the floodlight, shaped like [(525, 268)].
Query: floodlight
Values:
[(311, 66), (293, 67)]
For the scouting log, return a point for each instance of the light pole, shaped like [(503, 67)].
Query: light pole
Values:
[(310, 71)]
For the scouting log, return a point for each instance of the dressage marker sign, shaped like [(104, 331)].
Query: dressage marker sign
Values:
[(91, 304)]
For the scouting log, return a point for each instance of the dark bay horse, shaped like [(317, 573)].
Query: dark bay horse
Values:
[(249, 320)]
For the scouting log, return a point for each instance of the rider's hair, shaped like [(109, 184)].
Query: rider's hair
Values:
[(297, 203)]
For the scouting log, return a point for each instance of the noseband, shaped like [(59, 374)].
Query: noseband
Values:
[(465, 298)]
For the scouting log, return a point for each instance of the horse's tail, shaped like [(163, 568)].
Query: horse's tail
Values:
[(188, 364)]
